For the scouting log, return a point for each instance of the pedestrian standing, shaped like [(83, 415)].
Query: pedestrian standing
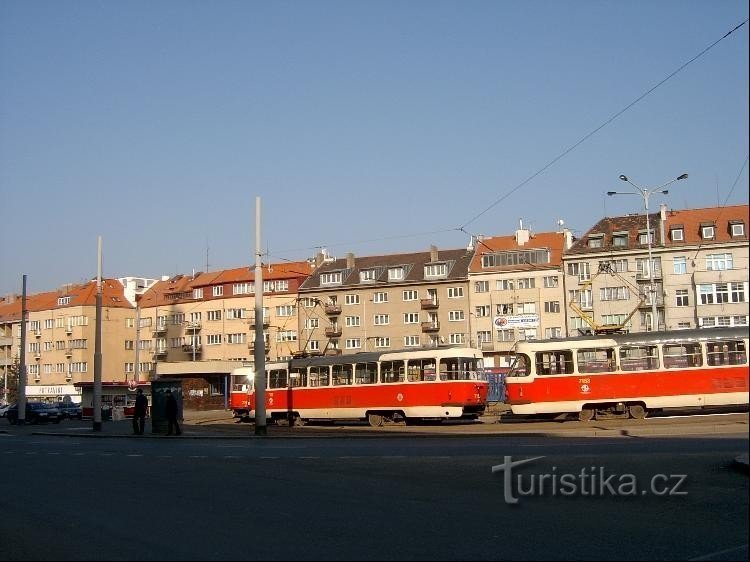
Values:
[(139, 413), (171, 411)]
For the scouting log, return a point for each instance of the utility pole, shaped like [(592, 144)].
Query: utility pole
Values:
[(97, 400), (137, 368), (22, 364), (260, 348)]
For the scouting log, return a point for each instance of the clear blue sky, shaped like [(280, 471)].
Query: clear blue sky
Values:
[(362, 125)]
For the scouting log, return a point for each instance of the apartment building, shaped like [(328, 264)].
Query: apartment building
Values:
[(516, 291), (60, 337), (199, 327), (698, 274), (383, 302)]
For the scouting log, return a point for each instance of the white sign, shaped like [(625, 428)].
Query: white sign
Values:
[(516, 321), (52, 390)]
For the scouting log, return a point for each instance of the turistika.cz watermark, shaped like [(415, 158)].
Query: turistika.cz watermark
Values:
[(592, 481)]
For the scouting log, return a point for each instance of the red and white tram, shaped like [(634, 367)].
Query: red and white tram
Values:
[(623, 375), (374, 386)]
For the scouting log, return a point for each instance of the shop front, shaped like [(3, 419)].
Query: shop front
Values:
[(118, 398)]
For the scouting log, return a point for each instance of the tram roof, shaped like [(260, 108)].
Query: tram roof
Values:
[(656, 337)]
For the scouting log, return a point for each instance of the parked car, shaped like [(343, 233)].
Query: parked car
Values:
[(70, 410), (36, 412), (3, 410)]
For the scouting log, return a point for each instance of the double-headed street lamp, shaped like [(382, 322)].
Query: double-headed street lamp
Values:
[(646, 193)]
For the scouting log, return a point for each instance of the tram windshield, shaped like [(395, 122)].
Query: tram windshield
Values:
[(520, 367)]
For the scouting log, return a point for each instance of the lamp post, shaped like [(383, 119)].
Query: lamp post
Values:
[(646, 194)]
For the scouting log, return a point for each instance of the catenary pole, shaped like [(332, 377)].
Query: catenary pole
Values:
[(22, 359), (260, 348), (97, 401)]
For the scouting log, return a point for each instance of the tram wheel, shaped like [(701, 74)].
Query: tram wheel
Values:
[(375, 420), (298, 422), (586, 414), (637, 411)]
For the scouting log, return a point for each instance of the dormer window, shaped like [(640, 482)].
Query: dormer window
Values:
[(737, 228), (435, 270), (333, 278), (63, 300), (368, 275), (708, 231), (396, 273), (596, 240), (677, 234), (643, 237), (620, 239)]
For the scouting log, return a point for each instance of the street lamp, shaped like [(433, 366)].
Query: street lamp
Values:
[(646, 193)]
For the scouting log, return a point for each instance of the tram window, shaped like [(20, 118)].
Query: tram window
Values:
[(342, 374), (639, 358), (596, 360), (298, 377), (392, 371), (319, 376), (420, 370), (726, 353), (554, 362), (277, 378), (682, 355), (520, 366), (459, 368), (366, 373)]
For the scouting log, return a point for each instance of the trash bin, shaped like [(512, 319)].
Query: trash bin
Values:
[(159, 389)]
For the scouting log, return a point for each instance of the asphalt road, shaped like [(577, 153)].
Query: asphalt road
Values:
[(372, 499)]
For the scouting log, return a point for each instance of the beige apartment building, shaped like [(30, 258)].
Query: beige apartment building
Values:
[(516, 291), (396, 301), (199, 327), (699, 270), (60, 337)]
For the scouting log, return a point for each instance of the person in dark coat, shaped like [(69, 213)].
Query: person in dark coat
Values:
[(171, 411), (139, 413)]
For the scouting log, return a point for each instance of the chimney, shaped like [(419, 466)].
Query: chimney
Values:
[(662, 224), (319, 257), (350, 261), (433, 253), (522, 234), (568, 237)]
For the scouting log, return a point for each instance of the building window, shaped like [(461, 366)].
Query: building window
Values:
[(455, 292), (719, 262), (552, 306), (352, 321), (331, 278), (353, 343), (411, 295), (682, 297), (311, 323), (580, 269), (550, 333), (351, 299), (620, 239), (504, 285), (380, 297), (457, 338), (456, 315), (243, 289), (214, 315), (677, 234), (236, 338), (63, 301), (285, 310), (680, 265), (483, 311), (526, 283), (485, 336), (213, 339), (382, 342), (708, 232), (551, 282), (646, 237), (381, 319), (411, 341), (286, 335), (411, 318), (435, 270), (526, 308), (504, 335), (368, 275), (737, 229), (619, 266), (396, 274), (314, 345), (596, 241), (481, 286), (614, 293)]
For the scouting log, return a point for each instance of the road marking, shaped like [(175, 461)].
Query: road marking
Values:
[(31, 452), (308, 457), (106, 454), (134, 455), (53, 453), (738, 550), (197, 457), (231, 457), (270, 458), (78, 454)]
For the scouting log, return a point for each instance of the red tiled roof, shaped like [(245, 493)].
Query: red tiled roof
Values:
[(113, 295), (554, 241), (691, 221)]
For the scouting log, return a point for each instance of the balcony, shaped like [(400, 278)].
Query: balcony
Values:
[(433, 326), (429, 304), (160, 329), (159, 353), (37, 355), (487, 346), (38, 333), (333, 309), (69, 330), (266, 346), (193, 326), (333, 332), (192, 348), (68, 352), (266, 321)]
